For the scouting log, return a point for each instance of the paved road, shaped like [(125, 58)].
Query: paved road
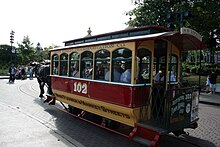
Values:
[(48, 126), (22, 97), (209, 124)]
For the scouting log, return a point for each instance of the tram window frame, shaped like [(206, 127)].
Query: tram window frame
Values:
[(64, 64), (55, 64), (144, 68), (173, 66), (74, 65), (86, 65), (158, 66), (102, 65), (120, 57), (158, 63)]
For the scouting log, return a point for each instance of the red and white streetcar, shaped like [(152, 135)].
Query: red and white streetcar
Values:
[(128, 81)]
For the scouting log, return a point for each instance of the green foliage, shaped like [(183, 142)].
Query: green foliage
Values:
[(25, 51), (206, 68), (5, 52), (153, 12)]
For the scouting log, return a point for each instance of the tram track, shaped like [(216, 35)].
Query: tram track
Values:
[(47, 124), (24, 92)]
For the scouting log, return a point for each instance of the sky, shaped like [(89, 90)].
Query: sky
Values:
[(50, 22)]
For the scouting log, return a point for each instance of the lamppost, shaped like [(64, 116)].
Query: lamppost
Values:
[(40, 51), (176, 20), (13, 50)]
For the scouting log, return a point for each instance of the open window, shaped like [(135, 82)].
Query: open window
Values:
[(86, 65), (63, 64), (144, 66), (173, 69), (55, 62), (102, 65), (121, 65), (74, 65)]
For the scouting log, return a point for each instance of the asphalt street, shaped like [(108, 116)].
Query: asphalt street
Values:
[(27, 121)]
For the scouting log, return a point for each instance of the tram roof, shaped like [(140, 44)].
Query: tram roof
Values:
[(130, 32), (182, 41)]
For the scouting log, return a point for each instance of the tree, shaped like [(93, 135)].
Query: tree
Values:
[(205, 15), (25, 51), (5, 55), (46, 51)]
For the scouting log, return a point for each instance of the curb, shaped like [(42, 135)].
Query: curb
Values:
[(209, 103)]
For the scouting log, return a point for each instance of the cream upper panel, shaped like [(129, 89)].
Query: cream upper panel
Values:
[(147, 44), (110, 46)]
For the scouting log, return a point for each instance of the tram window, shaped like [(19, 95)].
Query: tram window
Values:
[(121, 70), (55, 64), (173, 69), (63, 64), (158, 63), (143, 67), (102, 63), (74, 65), (159, 69), (86, 65)]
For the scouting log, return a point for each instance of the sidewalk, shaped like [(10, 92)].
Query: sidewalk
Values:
[(212, 99)]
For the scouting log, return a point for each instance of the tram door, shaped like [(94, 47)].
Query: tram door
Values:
[(159, 80)]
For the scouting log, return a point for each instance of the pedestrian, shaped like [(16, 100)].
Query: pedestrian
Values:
[(12, 71), (207, 85), (31, 73), (212, 80)]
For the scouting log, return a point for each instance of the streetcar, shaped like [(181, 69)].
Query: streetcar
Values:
[(128, 81)]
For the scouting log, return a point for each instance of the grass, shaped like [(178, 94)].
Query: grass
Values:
[(3, 72), (194, 80)]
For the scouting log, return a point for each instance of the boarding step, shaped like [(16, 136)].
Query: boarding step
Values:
[(142, 141), (147, 134)]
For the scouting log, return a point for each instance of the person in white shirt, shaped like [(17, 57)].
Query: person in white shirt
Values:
[(126, 75), (171, 77), (159, 77), (116, 74)]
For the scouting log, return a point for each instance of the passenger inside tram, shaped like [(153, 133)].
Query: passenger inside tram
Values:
[(159, 77), (171, 76), (116, 73), (88, 71), (126, 75), (63, 71), (75, 70)]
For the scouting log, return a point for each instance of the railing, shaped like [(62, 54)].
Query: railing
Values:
[(173, 109)]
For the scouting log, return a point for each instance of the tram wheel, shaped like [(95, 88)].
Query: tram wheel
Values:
[(114, 125), (73, 110)]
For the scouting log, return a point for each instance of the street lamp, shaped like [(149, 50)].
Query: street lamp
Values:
[(176, 19), (13, 50), (40, 50)]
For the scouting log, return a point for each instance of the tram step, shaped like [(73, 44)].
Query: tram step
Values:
[(142, 140)]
